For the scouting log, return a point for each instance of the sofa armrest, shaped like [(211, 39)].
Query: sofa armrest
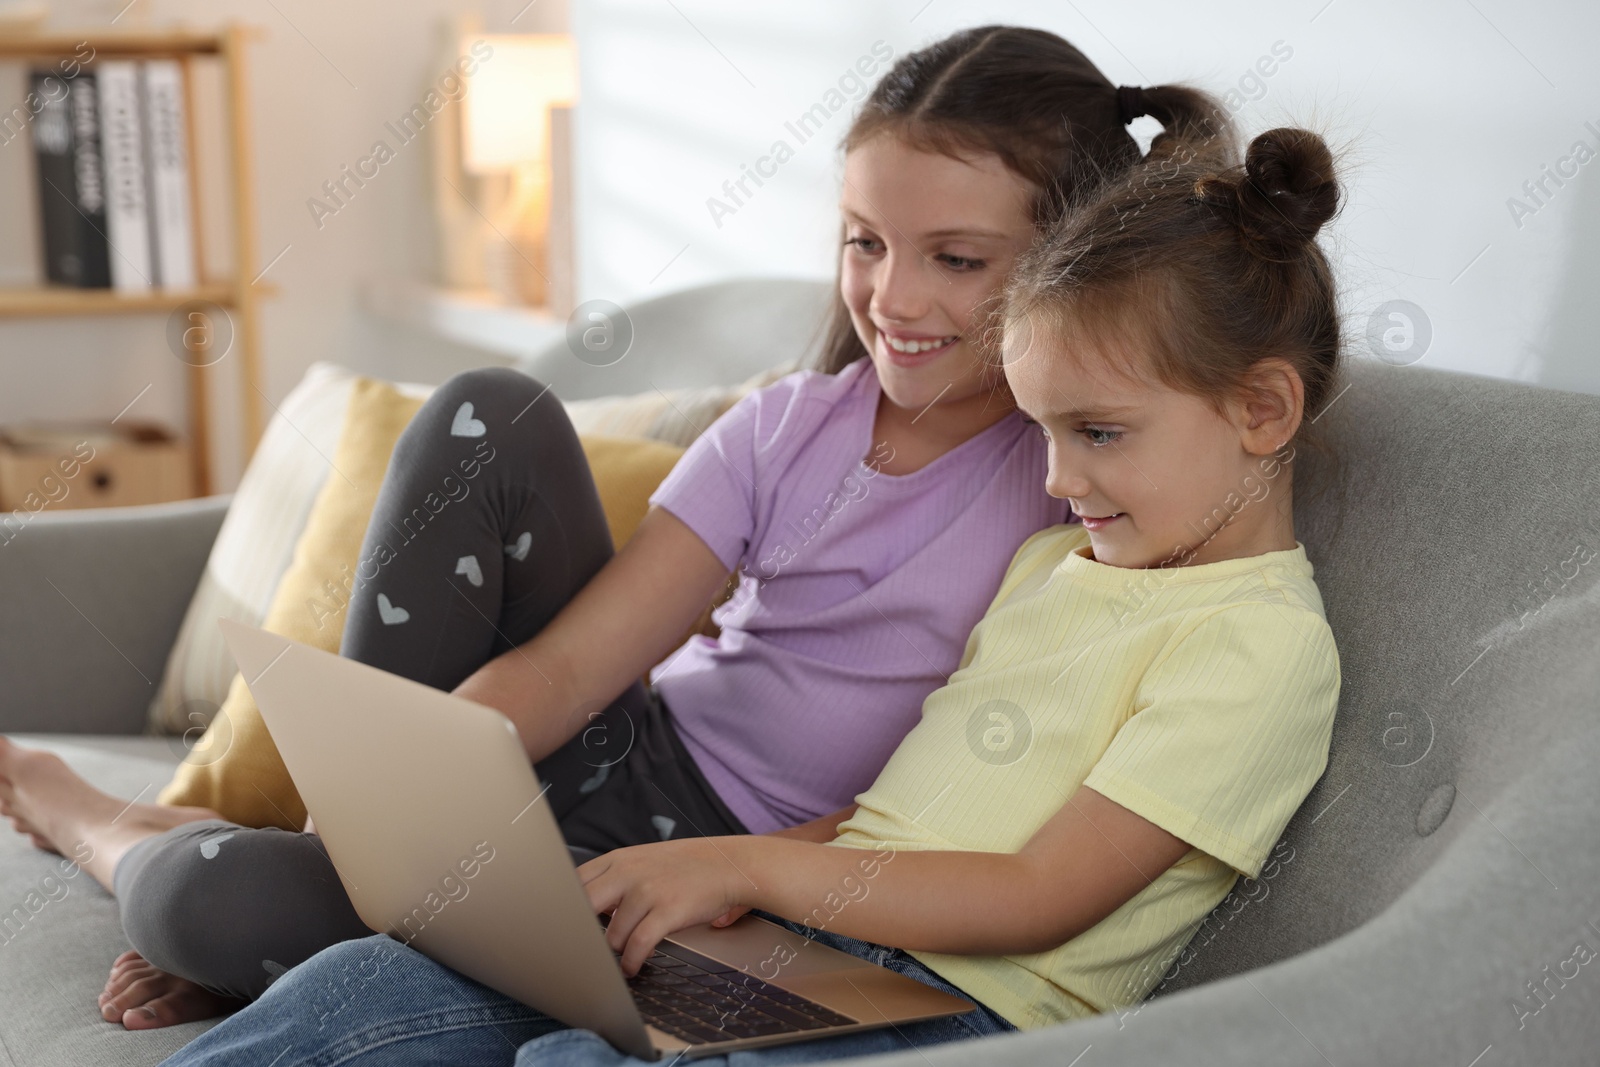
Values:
[(90, 602)]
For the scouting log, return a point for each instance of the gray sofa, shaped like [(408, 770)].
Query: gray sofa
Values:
[(1436, 900)]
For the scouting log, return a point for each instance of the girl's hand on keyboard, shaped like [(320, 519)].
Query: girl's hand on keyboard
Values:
[(651, 891)]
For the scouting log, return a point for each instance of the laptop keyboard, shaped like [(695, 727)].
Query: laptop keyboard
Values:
[(697, 999)]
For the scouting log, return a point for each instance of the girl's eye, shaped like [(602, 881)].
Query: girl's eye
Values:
[(1099, 437), (865, 244), (962, 263)]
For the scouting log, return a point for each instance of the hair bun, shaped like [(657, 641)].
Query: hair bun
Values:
[(1288, 190)]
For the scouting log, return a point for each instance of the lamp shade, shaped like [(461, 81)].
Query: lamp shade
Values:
[(507, 117)]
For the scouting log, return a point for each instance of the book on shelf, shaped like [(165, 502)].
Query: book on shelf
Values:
[(167, 171), (126, 220), (122, 148), (72, 205)]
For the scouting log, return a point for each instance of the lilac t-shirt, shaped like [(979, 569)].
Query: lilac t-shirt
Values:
[(857, 590)]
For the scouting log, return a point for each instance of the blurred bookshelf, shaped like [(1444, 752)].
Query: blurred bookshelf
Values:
[(236, 292)]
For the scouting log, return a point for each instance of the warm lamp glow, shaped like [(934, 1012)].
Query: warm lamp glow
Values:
[(507, 118)]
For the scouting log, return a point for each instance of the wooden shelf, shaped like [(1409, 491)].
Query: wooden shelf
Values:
[(227, 45), (61, 300), (149, 45)]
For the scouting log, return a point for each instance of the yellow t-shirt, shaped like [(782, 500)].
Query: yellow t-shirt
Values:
[(1201, 698)]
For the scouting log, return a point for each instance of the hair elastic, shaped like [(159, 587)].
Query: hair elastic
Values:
[(1130, 103)]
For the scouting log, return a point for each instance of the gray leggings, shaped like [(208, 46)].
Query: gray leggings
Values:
[(486, 526)]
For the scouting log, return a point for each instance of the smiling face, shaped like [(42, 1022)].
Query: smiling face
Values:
[(1157, 474), (928, 239)]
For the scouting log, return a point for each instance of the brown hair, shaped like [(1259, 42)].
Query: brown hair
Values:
[(1213, 265), (1030, 98)]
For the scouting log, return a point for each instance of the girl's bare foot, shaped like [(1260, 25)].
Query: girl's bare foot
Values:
[(60, 812), (140, 996), (25, 828)]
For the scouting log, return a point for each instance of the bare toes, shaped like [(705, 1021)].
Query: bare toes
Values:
[(179, 1006), (145, 1017), (28, 830), (133, 989), (124, 975), (143, 997), (128, 959)]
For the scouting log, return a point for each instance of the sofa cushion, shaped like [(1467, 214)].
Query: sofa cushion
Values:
[(54, 960), (626, 471), (701, 338), (675, 418)]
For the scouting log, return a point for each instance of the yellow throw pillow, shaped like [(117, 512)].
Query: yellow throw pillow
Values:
[(234, 768), (626, 471)]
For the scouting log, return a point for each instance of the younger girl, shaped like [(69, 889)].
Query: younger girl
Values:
[(1147, 702), (847, 616)]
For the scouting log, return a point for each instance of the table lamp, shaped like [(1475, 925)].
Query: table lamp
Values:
[(506, 134)]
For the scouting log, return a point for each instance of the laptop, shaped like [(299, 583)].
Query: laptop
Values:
[(438, 828)]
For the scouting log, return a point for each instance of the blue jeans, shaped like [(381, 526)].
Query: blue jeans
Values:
[(378, 1003)]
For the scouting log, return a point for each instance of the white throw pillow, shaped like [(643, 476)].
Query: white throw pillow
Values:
[(676, 416)]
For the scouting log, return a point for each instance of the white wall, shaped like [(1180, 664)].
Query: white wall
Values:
[(1443, 118), (1443, 108)]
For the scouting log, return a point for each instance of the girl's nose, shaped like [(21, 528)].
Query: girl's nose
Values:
[(1063, 483), (901, 289)]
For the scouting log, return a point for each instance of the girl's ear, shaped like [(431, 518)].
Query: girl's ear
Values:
[(1270, 406)]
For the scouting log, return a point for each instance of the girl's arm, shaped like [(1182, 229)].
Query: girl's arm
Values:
[(633, 612), (819, 831), (1088, 860)]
